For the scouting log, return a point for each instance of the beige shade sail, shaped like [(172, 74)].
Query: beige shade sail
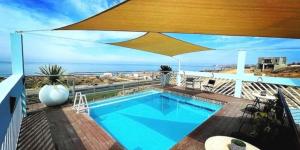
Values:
[(266, 18), (160, 44)]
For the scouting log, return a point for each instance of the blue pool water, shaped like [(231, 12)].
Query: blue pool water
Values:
[(152, 119)]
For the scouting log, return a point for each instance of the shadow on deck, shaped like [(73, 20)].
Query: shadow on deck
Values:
[(35, 132), (62, 129)]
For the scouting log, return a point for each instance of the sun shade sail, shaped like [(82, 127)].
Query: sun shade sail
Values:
[(272, 18), (161, 44)]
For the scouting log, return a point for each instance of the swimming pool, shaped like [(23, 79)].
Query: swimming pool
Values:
[(151, 119)]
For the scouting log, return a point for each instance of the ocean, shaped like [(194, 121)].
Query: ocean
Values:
[(33, 67)]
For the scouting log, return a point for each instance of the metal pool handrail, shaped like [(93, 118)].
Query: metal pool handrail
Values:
[(290, 119)]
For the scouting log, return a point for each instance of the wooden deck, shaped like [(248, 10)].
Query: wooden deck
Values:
[(68, 130), (63, 129), (226, 121)]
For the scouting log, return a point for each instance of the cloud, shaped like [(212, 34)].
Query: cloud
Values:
[(61, 50), (58, 45), (91, 7)]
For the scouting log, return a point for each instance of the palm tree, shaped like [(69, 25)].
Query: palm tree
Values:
[(53, 72), (165, 69)]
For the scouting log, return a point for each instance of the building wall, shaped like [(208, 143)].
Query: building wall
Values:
[(272, 63)]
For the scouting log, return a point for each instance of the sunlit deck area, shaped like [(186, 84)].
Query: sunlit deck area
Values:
[(61, 128)]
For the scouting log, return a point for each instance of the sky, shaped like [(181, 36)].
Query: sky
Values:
[(46, 46)]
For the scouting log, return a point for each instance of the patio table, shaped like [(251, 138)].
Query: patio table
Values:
[(262, 98), (223, 143)]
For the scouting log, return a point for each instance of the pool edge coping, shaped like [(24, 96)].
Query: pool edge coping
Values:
[(198, 98)]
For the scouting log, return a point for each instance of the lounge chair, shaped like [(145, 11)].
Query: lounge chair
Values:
[(192, 81), (210, 85), (252, 109)]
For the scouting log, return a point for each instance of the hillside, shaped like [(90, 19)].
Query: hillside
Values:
[(293, 72), (290, 72)]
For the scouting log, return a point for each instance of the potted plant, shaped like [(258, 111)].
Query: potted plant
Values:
[(165, 75), (53, 93), (237, 145)]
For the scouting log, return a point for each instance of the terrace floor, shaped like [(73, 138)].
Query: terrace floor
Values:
[(225, 122), (61, 128)]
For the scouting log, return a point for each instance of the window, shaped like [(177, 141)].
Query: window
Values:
[(267, 61)]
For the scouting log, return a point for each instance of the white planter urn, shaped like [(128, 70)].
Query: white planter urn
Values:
[(165, 79), (52, 95)]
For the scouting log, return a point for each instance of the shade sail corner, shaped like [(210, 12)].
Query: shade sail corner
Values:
[(160, 44)]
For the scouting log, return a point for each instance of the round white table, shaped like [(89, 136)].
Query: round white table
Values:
[(266, 97), (223, 143), (262, 99)]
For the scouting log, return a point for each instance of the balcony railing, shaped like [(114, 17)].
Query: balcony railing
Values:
[(97, 86), (225, 84), (11, 113)]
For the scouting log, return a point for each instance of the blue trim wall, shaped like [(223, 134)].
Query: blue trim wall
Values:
[(13, 88)]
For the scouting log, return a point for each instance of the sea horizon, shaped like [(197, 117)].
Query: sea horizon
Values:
[(32, 68)]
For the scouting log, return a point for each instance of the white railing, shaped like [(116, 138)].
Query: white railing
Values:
[(11, 138), (291, 92), (12, 97), (225, 84)]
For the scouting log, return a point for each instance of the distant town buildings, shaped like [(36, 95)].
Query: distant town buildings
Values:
[(108, 74), (271, 63)]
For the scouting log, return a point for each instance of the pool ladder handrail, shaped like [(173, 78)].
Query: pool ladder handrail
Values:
[(82, 103)]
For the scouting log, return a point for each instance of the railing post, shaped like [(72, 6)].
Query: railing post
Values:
[(240, 73), (94, 93), (123, 89), (152, 79), (138, 88), (178, 77), (73, 87), (17, 61)]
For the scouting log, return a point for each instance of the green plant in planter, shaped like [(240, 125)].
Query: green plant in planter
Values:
[(54, 92), (165, 75), (265, 125), (237, 145), (165, 69), (53, 72), (238, 142)]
